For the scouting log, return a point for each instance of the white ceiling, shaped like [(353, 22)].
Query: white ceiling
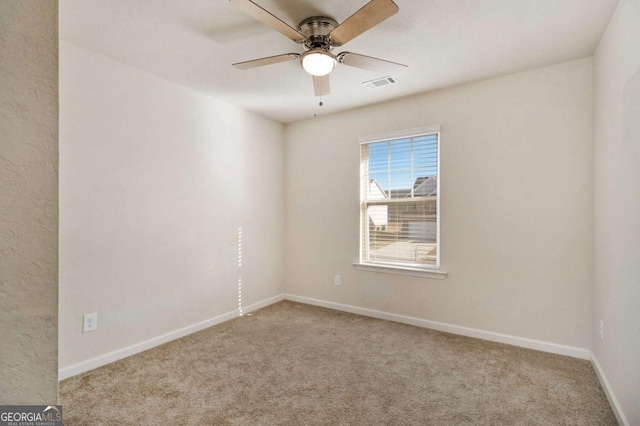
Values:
[(444, 43)]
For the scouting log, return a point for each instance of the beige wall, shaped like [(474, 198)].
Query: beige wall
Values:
[(516, 182), (155, 181), (28, 202), (616, 290)]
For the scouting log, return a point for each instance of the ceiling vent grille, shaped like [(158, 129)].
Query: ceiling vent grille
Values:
[(379, 82)]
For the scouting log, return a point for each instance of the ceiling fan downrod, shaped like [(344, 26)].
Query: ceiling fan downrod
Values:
[(317, 29)]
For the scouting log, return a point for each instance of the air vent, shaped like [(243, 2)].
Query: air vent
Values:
[(379, 82)]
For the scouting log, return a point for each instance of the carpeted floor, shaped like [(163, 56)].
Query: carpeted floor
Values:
[(294, 364)]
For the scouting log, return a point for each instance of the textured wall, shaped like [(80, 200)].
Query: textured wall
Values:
[(616, 290), (28, 201), (516, 206)]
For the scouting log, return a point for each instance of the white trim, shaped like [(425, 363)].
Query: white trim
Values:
[(400, 270), (438, 202), (263, 303), (364, 182), (613, 401), (400, 134), (538, 345), (118, 354)]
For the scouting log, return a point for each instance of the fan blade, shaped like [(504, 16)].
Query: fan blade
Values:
[(321, 85), (369, 63), (269, 19), (370, 15), (266, 61)]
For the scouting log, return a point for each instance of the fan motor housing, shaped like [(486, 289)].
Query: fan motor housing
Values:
[(317, 29)]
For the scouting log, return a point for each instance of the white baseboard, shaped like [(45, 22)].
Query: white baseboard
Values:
[(99, 361), (555, 348), (615, 405), (263, 303), (450, 328)]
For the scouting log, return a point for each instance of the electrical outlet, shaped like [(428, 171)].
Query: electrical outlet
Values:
[(337, 280), (89, 322), (601, 330)]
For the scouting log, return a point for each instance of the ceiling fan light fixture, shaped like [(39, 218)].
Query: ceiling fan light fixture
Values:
[(318, 62)]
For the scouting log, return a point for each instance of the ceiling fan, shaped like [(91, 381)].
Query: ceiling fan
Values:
[(319, 35)]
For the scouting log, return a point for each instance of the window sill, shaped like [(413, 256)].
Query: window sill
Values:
[(413, 272)]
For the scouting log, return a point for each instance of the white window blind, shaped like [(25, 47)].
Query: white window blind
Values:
[(400, 199)]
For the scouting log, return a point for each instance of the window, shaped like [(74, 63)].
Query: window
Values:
[(399, 196)]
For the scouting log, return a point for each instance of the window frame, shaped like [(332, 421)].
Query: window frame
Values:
[(413, 269)]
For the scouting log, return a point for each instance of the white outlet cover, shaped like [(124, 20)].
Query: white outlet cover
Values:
[(90, 322)]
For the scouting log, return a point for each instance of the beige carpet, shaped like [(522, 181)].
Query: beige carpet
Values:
[(293, 364)]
